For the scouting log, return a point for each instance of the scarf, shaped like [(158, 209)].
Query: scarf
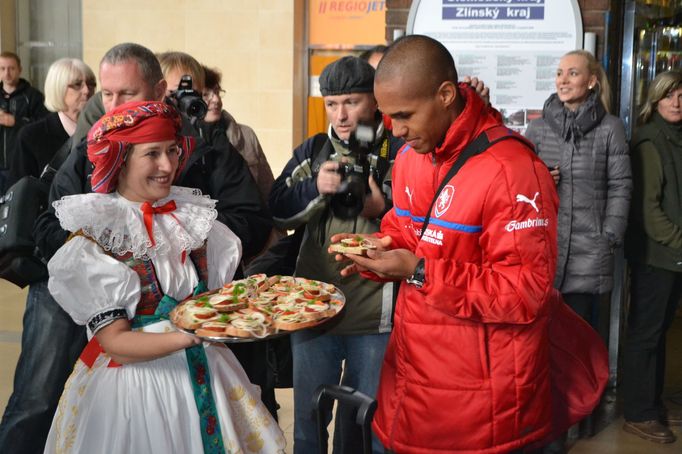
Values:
[(570, 125), (132, 123)]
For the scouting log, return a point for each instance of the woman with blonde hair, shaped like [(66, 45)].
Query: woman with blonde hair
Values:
[(654, 251), (585, 148), (68, 86)]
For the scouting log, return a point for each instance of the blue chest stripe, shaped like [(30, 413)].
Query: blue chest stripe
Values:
[(439, 222)]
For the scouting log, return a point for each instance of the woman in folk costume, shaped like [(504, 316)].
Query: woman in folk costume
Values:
[(140, 245)]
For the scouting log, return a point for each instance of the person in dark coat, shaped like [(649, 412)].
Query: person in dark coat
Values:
[(654, 251), (585, 148), (68, 86), (20, 104)]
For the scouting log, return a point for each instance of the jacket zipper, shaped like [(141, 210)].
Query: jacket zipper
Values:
[(436, 165)]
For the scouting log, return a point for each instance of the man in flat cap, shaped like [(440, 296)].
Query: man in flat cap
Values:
[(311, 195)]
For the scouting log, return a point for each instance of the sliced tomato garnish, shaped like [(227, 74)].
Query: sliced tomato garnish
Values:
[(204, 316)]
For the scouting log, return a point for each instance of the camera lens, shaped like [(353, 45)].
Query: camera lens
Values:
[(195, 108), (349, 203)]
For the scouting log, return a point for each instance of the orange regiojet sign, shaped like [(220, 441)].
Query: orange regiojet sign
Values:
[(338, 23), (317, 116)]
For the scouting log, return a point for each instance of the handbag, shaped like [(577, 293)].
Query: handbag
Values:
[(20, 206)]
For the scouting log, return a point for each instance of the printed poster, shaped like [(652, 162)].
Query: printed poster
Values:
[(514, 46)]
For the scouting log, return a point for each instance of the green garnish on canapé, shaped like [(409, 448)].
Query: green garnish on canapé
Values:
[(224, 318), (203, 302), (239, 289)]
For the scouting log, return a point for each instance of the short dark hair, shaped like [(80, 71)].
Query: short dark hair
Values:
[(213, 77), (378, 49), (407, 57), (8, 54), (145, 59)]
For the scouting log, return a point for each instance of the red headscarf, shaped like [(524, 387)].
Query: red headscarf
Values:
[(132, 123)]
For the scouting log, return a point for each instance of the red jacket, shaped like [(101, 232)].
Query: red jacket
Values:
[(467, 369)]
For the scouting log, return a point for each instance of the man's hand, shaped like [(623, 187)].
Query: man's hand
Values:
[(479, 86), (328, 179), (381, 244), (7, 119), (396, 264), (554, 171), (375, 204)]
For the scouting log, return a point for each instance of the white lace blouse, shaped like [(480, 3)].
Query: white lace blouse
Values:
[(86, 281)]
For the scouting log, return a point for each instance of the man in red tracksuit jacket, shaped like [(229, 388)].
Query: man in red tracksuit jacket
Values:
[(467, 365)]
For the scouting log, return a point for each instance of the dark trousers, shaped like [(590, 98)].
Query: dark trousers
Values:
[(50, 345), (655, 294), (593, 308)]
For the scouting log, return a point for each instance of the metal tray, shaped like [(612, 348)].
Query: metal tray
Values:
[(238, 340)]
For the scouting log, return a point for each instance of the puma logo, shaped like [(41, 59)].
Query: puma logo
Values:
[(531, 202), (409, 194)]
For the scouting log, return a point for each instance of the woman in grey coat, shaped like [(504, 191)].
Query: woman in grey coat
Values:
[(585, 148)]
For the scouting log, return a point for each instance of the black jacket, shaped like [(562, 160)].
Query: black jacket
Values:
[(36, 146), (222, 174), (26, 104)]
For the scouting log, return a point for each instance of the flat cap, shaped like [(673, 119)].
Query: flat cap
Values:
[(347, 75)]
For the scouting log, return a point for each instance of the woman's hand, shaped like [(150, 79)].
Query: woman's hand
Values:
[(126, 346), (479, 87)]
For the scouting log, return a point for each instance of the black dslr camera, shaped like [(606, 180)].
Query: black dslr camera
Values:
[(349, 200), (187, 100)]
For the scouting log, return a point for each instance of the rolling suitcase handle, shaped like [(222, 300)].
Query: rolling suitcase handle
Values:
[(324, 397)]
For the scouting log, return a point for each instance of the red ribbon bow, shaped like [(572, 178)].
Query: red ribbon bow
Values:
[(149, 212)]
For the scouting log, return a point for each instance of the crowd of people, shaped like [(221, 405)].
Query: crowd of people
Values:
[(478, 233)]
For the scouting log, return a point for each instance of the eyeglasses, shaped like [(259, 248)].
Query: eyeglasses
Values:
[(209, 94), (78, 84)]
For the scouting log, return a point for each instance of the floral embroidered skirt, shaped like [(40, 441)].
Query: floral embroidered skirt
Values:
[(150, 407)]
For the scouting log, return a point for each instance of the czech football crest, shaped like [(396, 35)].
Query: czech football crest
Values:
[(444, 200)]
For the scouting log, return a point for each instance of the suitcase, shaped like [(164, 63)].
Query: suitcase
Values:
[(362, 404)]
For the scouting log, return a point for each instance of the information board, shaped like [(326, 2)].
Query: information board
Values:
[(514, 46)]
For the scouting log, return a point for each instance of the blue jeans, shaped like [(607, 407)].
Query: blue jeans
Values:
[(318, 360), (50, 345)]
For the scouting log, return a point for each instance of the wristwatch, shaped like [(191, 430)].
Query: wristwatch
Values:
[(418, 277)]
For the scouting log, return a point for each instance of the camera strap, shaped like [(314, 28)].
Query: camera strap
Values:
[(51, 168), (383, 152), (481, 143)]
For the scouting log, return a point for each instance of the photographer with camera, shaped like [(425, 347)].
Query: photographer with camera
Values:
[(312, 193), (51, 341), (184, 77)]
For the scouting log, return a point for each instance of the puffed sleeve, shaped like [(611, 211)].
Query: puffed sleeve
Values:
[(223, 254), (91, 286)]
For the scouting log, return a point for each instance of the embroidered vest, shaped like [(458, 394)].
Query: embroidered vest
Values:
[(150, 291)]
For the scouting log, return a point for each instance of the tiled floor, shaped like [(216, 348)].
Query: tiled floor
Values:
[(610, 439)]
